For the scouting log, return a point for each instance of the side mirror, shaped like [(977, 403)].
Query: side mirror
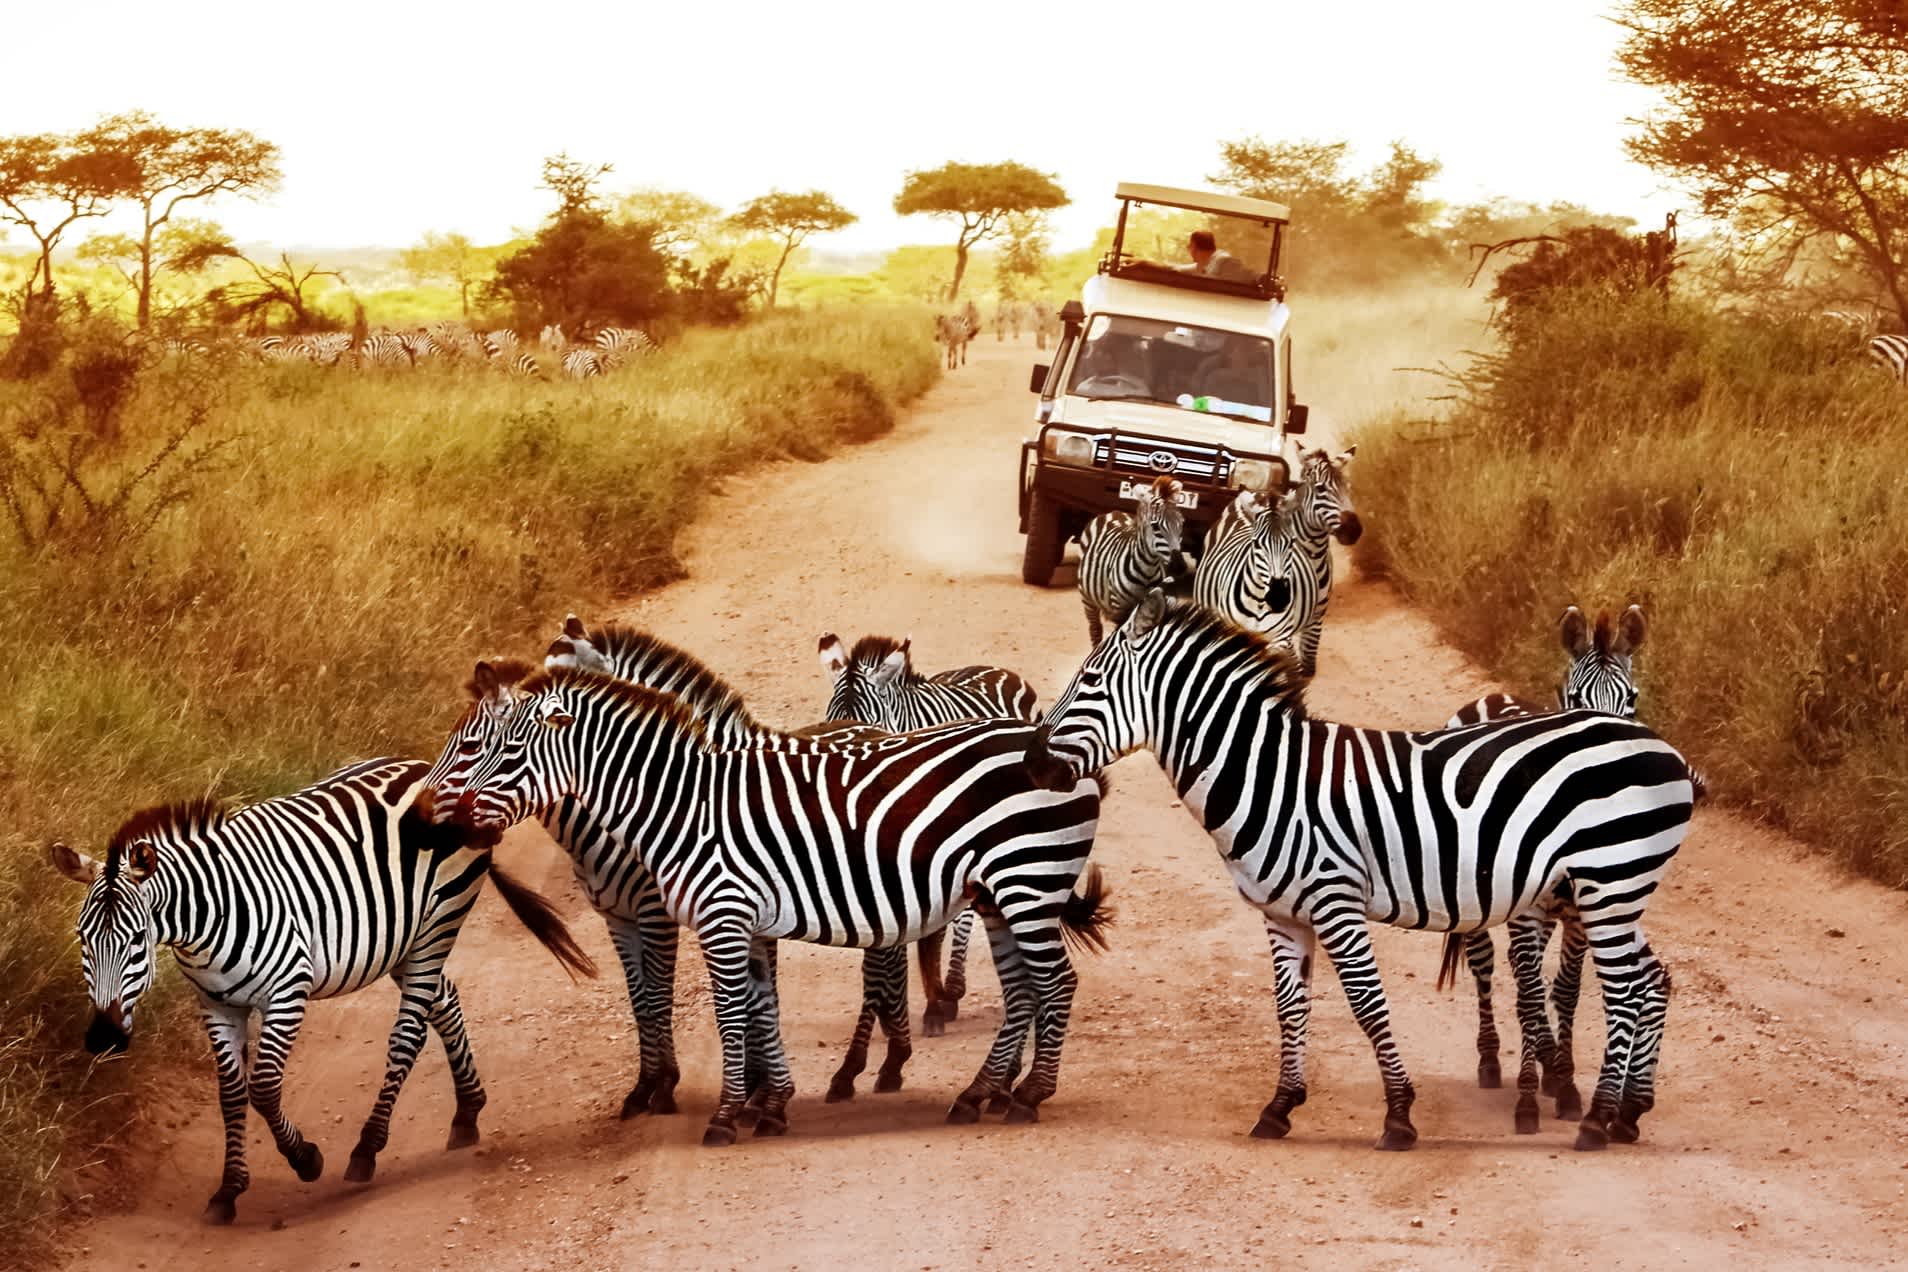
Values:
[(1296, 414), (1039, 379)]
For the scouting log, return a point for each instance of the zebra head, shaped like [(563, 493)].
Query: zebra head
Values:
[(1323, 502), (1600, 676), (1160, 520), (493, 695), (867, 679), (1273, 552), (575, 649), (1098, 717), (530, 762), (118, 936)]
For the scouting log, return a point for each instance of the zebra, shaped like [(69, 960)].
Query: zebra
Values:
[(552, 340), (953, 332), (1045, 322), (1326, 827), (582, 364), (1123, 554), (266, 907), (1318, 511), (1246, 570), (616, 344), (875, 684), (869, 844), (1890, 353), (384, 350)]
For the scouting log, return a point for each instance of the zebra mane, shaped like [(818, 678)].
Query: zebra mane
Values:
[(509, 671), (706, 693), (870, 650), (183, 818), (638, 698), (1603, 635), (1212, 631)]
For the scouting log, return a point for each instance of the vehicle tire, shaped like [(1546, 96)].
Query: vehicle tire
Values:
[(1044, 545)]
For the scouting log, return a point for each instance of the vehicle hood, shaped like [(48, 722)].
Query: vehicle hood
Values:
[(1238, 436)]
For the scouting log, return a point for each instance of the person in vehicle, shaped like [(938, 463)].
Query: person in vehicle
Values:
[(1209, 259), (1237, 373)]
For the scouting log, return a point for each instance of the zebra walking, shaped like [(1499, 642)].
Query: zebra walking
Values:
[(267, 907), (953, 332), (1326, 827), (1246, 570), (1317, 512), (875, 684), (616, 345), (1122, 555), (870, 844)]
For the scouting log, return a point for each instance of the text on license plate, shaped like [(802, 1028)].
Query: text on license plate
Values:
[(1185, 498)]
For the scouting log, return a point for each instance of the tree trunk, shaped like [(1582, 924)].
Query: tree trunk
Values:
[(145, 279), (960, 270), (775, 278)]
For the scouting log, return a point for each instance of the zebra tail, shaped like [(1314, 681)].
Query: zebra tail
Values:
[(1453, 959), (1085, 916), (537, 914), (1699, 789)]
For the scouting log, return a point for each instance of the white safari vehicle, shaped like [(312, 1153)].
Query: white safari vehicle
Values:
[(1163, 369)]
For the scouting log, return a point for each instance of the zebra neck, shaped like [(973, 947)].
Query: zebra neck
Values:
[(644, 775), (1214, 737), (189, 898)]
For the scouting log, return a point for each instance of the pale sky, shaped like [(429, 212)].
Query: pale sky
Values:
[(401, 117)]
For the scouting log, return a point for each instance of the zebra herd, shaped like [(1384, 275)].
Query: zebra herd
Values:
[(916, 802), (434, 344)]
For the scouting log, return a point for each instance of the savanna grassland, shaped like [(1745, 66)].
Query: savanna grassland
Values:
[(263, 572)]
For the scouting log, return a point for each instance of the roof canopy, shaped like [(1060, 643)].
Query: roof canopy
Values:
[(1204, 201)]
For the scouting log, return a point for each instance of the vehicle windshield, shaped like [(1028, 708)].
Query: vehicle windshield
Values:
[(1121, 358)]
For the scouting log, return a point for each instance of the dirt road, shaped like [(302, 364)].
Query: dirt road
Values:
[(1778, 1139)]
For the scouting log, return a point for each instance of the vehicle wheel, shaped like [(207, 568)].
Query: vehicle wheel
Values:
[(1044, 545)]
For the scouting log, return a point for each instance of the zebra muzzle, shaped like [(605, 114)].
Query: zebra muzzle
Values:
[(1349, 529), (1045, 769), (1278, 595), (107, 1035)]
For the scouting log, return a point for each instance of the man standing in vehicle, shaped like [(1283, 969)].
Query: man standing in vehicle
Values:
[(1208, 259)]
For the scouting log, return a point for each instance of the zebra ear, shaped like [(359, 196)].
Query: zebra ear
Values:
[(142, 861), (834, 659), (74, 865), (1345, 457), (1145, 617), (893, 666), (1574, 633), (484, 680), (551, 713), (574, 629), (1630, 632)]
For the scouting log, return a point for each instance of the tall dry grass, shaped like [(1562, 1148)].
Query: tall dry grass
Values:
[(318, 595), (1742, 480)]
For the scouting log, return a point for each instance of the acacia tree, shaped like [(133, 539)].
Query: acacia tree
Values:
[(980, 196), (1023, 253), (49, 181), (170, 166), (790, 219), (1790, 117), (250, 301), (574, 184), (677, 219), (454, 259)]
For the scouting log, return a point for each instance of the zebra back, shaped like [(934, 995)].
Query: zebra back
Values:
[(875, 684)]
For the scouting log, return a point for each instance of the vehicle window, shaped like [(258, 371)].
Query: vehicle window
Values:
[(1144, 359)]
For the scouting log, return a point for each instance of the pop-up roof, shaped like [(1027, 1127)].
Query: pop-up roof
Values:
[(1250, 230)]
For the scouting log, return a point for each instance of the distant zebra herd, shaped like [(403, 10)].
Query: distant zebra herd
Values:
[(956, 330), (432, 344)]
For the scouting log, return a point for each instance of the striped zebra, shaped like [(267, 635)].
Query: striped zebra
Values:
[(267, 907), (953, 332), (1599, 678), (616, 345), (582, 364), (383, 349), (1122, 554), (1326, 827), (1246, 570), (875, 684), (1317, 512), (1890, 353), (552, 340), (869, 844), (1045, 321)]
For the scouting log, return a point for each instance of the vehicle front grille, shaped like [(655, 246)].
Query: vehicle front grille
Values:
[(1135, 455)]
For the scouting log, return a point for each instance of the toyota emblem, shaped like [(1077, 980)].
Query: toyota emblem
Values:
[(1162, 461)]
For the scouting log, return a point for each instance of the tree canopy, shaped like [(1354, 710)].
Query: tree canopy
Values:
[(980, 196), (451, 258), (790, 218), (48, 181), (677, 219)]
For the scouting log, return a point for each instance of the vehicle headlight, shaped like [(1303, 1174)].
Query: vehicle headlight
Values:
[(1069, 448), (1255, 474)]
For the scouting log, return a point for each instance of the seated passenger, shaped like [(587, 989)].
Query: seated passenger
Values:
[(1208, 259), (1238, 374)]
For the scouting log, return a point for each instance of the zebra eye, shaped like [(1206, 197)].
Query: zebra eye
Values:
[(469, 746)]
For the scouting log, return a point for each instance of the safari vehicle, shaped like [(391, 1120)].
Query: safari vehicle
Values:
[(1164, 370)]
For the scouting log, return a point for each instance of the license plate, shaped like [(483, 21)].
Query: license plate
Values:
[(1185, 498)]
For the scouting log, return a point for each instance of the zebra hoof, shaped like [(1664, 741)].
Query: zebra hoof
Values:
[(770, 1124), (950, 1008), (1490, 1075), (933, 1024), (963, 1113), (1399, 1135), (1592, 1137), (460, 1137), (664, 1101), (1528, 1118), (1623, 1130), (1018, 1112), (635, 1104), (221, 1210), (842, 1089), (718, 1136), (308, 1163), (887, 1083), (747, 1116), (1000, 1103), (1272, 1126), (1569, 1103), (361, 1167)]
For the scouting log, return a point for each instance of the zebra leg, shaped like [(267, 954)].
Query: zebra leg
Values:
[(646, 946), (626, 935), (765, 1043), (1639, 1087), (762, 970), (446, 1019), (884, 982), (1292, 986), (927, 952), (418, 991), (1564, 992), (225, 1027), (892, 1009), (1527, 937), (1617, 947), (954, 988), (1481, 952), (725, 949), (1347, 941), (1094, 631), (1003, 1059), (279, 1023), (1054, 985)]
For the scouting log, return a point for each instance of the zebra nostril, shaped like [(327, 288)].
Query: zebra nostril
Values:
[(1278, 594), (1350, 528)]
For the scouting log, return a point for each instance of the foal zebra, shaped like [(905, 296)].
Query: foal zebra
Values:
[(875, 684), (1319, 511), (1326, 827), (266, 907), (1123, 554), (1246, 571), (870, 844)]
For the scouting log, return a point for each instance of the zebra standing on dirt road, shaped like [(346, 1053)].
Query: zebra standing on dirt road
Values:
[(1246, 570), (875, 684), (1122, 555), (864, 845), (1317, 512), (310, 895), (953, 332), (1326, 827)]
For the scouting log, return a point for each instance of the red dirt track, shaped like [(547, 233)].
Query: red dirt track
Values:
[(1779, 1137)]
